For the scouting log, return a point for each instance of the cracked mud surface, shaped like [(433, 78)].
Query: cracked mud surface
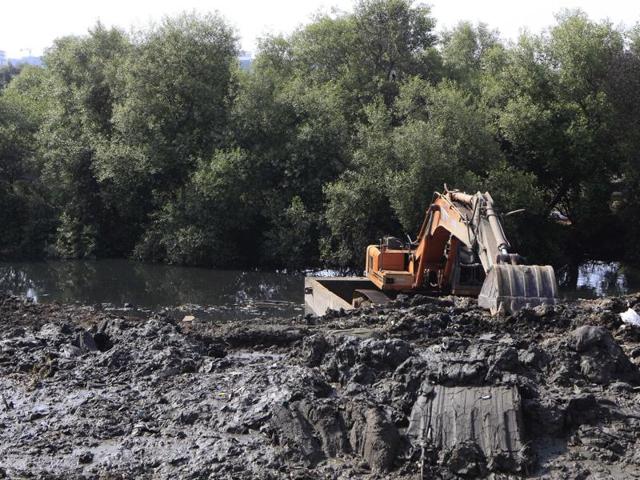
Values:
[(424, 388)]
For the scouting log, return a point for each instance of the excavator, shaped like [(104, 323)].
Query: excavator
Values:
[(461, 249)]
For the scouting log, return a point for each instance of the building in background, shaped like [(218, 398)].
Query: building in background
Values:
[(28, 60), (3, 58), (245, 60)]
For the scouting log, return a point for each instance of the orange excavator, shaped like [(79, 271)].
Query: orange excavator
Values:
[(461, 249)]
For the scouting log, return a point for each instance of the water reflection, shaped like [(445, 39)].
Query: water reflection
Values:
[(597, 279), (151, 286), (232, 294)]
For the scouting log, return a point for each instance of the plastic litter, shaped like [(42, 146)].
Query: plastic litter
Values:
[(630, 317)]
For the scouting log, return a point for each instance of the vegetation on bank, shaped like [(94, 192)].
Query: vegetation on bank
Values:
[(157, 145)]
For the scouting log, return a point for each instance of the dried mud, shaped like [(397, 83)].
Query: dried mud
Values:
[(423, 388)]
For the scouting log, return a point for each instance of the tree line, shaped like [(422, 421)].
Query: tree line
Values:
[(156, 145)]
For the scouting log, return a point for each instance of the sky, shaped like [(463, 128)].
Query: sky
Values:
[(30, 26)]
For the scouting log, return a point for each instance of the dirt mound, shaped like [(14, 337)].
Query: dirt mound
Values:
[(423, 388)]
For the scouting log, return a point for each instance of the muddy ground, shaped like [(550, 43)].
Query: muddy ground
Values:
[(424, 388)]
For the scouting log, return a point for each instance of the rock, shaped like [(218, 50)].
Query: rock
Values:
[(375, 438), (51, 332), (440, 389), (38, 414), (631, 317), (313, 349), (265, 336), (542, 311), (544, 417), (582, 408), (620, 387), (328, 425), (187, 417), (533, 357), (102, 341), (69, 351), (586, 337), (383, 354), (85, 342), (466, 459), (116, 358), (295, 433), (601, 358), (505, 359), (141, 428), (85, 457)]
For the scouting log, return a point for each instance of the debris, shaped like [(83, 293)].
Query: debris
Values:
[(85, 457), (630, 317)]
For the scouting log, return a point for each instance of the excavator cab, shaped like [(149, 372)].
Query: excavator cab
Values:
[(461, 249)]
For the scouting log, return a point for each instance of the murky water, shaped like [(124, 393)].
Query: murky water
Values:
[(597, 279), (234, 293), (224, 294)]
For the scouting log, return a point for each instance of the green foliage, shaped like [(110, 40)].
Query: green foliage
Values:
[(7, 73), (365, 54), (293, 238), (443, 139), (470, 53), (75, 239), (25, 215), (559, 123), (211, 219), (446, 140), (177, 84), (530, 232), (358, 211), (156, 145)]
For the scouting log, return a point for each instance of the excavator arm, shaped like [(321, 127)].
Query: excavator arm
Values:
[(461, 248)]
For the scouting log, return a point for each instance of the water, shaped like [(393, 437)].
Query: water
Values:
[(230, 293), (224, 294), (597, 279)]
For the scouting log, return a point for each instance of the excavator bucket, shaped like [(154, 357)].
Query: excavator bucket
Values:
[(509, 288)]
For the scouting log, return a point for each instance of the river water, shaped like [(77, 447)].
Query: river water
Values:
[(153, 286), (597, 279), (230, 294)]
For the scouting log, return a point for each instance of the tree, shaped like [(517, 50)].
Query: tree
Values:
[(172, 112), (395, 39), (157, 143), (358, 211), (211, 220), (84, 84), (25, 214), (177, 87), (8, 72), (470, 54), (446, 138), (442, 137), (557, 122)]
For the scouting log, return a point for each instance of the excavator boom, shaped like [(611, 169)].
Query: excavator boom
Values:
[(462, 249)]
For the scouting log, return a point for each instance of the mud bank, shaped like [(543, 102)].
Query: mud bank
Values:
[(425, 388)]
